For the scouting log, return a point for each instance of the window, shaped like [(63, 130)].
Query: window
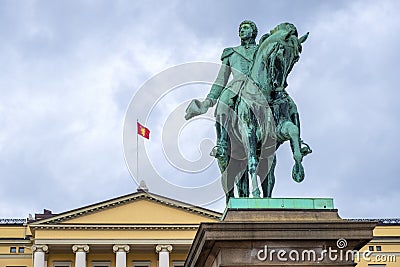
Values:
[(62, 264), (100, 264), (21, 250), (178, 263), (13, 250), (141, 264), (378, 248), (371, 248)]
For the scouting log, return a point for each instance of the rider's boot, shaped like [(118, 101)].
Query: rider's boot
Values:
[(220, 151)]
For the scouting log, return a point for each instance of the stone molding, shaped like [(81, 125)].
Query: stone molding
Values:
[(80, 248), (163, 248), (40, 248), (89, 242), (121, 248), (183, 227)]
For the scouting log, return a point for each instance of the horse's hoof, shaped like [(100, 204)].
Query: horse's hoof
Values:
[(256, 193), (298, 172)]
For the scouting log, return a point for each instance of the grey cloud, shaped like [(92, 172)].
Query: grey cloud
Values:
[(71, 68)]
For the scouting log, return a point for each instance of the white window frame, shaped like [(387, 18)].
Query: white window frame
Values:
[(141, 263), (62, 263), (101, 263)]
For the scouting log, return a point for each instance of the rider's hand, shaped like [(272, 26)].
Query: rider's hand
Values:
[(207, 103)]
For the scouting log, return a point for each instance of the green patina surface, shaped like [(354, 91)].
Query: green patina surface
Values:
[(281, 203), (254, 113)]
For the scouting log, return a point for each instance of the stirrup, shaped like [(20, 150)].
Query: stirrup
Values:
[(305, 150)]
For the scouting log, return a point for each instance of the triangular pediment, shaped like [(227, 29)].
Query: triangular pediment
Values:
[(134, 209)]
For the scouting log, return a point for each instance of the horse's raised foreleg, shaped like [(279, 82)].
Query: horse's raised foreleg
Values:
[(291, 130)]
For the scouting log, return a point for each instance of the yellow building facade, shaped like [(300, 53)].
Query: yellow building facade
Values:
[(136, 230), (384, 248)]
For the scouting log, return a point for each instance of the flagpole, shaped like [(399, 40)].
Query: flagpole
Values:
[(137, 152)]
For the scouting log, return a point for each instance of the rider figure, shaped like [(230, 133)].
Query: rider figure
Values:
[(238, 61)]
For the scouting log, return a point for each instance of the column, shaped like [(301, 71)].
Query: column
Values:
[(163, 255), (120, 255), (80, 254), (39, 252)]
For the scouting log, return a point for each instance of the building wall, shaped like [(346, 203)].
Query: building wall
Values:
[(152, 223), (383, 249), (15, 236)]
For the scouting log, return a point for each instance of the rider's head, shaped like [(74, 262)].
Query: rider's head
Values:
[(247, 29)]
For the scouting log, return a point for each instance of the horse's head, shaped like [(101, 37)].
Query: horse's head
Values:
[(285, 27), (278, 51)]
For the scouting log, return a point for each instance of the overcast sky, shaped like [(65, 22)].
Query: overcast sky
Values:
[(69, 70)]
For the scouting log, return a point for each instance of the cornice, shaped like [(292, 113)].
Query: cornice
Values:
[(15, 256), (113, 241), (116, 226), (15, 241)]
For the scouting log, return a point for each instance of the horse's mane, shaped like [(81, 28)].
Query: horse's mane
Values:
[(282, 45)]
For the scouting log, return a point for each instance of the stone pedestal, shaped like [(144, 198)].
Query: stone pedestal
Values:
[(279, 236)]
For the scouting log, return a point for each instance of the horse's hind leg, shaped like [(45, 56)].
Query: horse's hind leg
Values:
[(228, 179), (267, 177), (252, 163), (243, 184)]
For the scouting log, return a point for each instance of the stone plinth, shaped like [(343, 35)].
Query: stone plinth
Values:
[(276, 237)]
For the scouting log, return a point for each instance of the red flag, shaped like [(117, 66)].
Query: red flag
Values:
[(143, 131)]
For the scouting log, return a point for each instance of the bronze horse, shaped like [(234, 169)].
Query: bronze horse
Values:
[(263, 94), (260, 117)]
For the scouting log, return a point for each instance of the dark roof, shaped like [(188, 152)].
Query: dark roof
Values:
[(12, 221), (387, 221)]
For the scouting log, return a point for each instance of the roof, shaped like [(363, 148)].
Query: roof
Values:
[(124, 200), (385, 221), (12, 221)]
